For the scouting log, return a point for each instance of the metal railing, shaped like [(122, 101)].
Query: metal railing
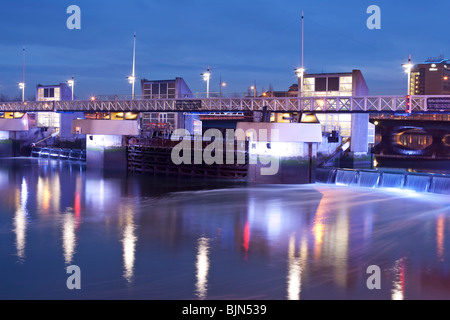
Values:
[(375, 104)]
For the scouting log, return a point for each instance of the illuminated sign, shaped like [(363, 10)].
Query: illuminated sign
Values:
[(188, 104), (438, 104), (433, 67)]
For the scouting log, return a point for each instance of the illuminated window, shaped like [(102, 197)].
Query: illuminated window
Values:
[(48, 120), (336, 122)]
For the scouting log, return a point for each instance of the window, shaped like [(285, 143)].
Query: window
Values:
[(155, 89), (336, 122), (49, 92), (321, 84), (346, 87), (333, 84), (48, 120)]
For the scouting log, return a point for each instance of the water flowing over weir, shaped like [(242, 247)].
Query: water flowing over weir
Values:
[(418, 182), (59, 154)]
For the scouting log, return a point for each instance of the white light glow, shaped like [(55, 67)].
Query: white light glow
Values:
[(294, 279), (69, 237), (129, 245), (202, 268), (131, 79), (399, 283), (300, 72)]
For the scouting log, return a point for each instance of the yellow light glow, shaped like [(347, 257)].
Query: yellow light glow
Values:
[(440, 237)]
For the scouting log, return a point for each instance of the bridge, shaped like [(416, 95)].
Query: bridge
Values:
[(369, 104)]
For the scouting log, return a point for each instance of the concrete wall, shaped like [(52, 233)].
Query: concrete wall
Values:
[(6, 148), (182, 89), (360, 88), (360, 133), (106, 127), (106, 152), (65, 132), (282, 153), (282, 163)]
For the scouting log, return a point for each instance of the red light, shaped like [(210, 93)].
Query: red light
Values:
[(408, 104), (77, 205), (246, 243)]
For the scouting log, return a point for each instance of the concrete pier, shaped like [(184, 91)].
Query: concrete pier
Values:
[(282, 153)]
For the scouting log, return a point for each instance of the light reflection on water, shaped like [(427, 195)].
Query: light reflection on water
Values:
[(138, 237)]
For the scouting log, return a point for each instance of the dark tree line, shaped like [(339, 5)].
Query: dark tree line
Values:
[(5, 98)]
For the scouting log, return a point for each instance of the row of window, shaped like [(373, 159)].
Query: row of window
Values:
[(328, 86), (49, 94), (159, 90)]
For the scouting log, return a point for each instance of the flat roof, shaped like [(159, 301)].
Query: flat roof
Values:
[(328, 74)]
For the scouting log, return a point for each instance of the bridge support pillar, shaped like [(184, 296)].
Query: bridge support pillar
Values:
[(282, 153), (359, 156), (106, 152), (6, 145), (105, 141)]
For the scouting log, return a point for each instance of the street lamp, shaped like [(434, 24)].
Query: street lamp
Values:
[(254, 90), (22, 87), (22, 84), (408, 67), (300, 72), (71, 84), (132, 78), (207, 77), (222, 85)]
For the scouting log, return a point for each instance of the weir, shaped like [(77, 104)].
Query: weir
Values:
[(418, 182), (59, 154)]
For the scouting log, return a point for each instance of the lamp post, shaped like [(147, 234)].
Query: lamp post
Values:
[(22, 87), (221, 85), (71, 84), (254, 90), (300, 72), (132, 78), (207, 77), (408, 67), (22, 84)]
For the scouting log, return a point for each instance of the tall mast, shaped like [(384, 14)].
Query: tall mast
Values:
[(134, 64)]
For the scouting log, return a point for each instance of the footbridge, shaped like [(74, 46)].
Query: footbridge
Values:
[(369, 104)]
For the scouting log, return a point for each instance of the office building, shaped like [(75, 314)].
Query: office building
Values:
[(431, 77)]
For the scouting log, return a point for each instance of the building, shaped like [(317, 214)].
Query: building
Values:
[(54, 121), (165, 89), (347, 84), (431, 77), (50, 93), (336, 127), (159, 122)]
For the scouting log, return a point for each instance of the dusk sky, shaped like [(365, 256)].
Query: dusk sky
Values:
[(242, 41)]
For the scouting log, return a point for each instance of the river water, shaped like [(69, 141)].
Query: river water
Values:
[(141, 237)]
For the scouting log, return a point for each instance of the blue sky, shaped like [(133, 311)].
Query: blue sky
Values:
[(242, 41)]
